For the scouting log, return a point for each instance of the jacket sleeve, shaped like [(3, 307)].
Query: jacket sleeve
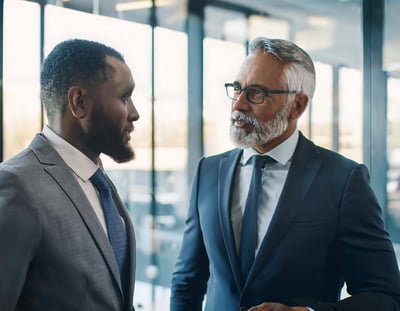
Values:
[(365, 252), (189, 280), (19, 233)]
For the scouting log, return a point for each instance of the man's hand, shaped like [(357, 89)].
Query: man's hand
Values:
[(273, 306)]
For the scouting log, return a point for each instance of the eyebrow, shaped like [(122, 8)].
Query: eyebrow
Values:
[(253, 85)]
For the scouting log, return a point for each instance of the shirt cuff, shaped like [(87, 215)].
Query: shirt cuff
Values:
[(310, 309)]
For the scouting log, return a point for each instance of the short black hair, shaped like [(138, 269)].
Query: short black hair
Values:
[(72, 62)]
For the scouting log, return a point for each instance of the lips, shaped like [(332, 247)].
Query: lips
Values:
[(242, 121), (239, 123), (128, 132)]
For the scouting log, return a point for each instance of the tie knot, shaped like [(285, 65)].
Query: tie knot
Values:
[(99, 180), (260, 161)]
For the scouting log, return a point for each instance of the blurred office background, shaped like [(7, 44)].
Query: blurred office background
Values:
[(181, 52)]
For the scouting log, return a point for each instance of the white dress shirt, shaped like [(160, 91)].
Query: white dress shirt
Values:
[(273, 179), (81, 166)]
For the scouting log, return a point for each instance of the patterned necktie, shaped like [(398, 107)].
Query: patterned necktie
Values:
[(248, 238), (115, 227)]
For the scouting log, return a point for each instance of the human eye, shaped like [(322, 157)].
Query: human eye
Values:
[(256, 94), (126, 98)]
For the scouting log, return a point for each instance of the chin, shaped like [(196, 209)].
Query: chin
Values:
[(123, 154), (241, 139)]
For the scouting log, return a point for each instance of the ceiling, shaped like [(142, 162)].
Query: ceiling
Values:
[(330, 30)]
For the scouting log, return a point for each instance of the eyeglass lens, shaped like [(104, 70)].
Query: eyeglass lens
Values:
[(253, 94)]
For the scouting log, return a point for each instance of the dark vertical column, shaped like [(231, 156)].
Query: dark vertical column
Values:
[(153, 207), (1, 82), (374, 97), (195, 33), (153, 23), (42, 4)]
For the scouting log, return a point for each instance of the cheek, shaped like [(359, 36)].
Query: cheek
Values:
[(264, 113), (268, 111), (105, 117), (116, 112)]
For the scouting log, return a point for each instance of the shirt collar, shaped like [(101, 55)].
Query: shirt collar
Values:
[(78, 162), (281, 153)]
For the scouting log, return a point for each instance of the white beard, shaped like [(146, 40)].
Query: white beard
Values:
[(263, 132)]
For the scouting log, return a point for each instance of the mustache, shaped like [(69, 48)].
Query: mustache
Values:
[(239, 116)]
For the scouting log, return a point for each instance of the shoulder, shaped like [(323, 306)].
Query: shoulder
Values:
[(18, 162), (306, 149)]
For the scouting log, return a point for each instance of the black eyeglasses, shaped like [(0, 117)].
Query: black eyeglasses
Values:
[(254, 94)]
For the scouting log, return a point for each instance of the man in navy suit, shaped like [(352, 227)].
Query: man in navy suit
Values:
[(318, 224)]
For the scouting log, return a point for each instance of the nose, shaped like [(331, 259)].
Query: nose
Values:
[(133, 114), (241, 103)]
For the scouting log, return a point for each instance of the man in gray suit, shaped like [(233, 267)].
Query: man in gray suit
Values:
[(58, 249)]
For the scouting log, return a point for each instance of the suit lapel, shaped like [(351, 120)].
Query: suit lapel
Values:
[(225, 185), (302, 172), (62, 175)]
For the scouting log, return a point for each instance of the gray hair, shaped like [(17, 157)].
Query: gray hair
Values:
[(299, 74)]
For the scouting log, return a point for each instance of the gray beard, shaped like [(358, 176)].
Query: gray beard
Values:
[(263, 132)]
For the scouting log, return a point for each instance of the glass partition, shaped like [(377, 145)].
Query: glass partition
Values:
[(350, 113), (321, 106), (155, 186), (391, 63), (171, 128), (221, 64), (393, 184), (21, 67)]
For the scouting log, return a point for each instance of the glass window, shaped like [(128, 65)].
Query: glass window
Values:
[(224, 24), (171, 130), (393, 185), (221, 64), (267, 26), (391, 63), (154, 186), (138, 11), (21, 67), (350, 113), (391, 55), (172, 14), (321, 106)]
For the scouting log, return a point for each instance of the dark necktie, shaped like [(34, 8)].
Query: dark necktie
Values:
[(248, 238), (115, 227)]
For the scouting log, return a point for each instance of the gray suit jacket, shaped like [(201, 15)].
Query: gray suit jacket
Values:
[(54, 253)]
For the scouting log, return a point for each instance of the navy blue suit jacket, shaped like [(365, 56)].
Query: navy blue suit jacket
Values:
[(327, 229)]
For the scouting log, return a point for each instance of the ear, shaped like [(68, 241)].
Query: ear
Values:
[(76, 96), (300, 104)]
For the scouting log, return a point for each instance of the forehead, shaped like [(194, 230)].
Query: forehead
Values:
[(261, 69), (119, 72)]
